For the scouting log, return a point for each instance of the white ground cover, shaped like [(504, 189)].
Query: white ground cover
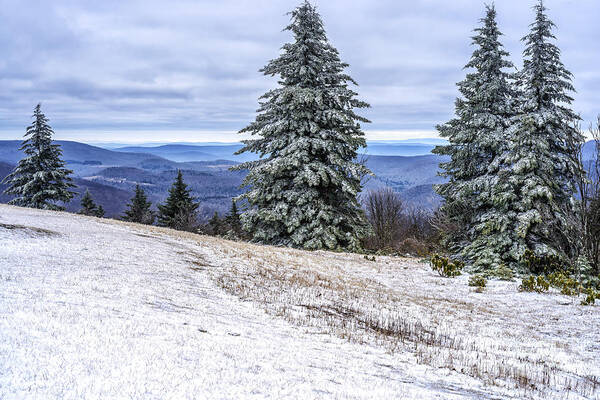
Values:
[(93, 308)]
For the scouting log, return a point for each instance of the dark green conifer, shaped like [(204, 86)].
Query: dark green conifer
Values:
[(541, 159), (179, 210), (89, 207), (233, 220), (477, 137), (139, 208), (215, 225)]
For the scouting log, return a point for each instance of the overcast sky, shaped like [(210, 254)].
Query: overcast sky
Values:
[(140, 71)]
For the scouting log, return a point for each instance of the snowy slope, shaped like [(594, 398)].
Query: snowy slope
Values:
[(93, 308)]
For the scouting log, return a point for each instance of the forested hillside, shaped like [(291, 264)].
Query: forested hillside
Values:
[(101, 171)]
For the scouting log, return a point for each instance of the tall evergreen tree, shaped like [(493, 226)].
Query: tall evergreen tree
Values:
[(139, 208), (89, 207), (542, 154), (303, 191), (179, 210), (477, 137), (40, 179)]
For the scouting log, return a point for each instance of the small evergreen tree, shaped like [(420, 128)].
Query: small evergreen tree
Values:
[(40, 179), (303, 191), (89, 207), (542, 155), (139, 208), (215, 225), (233, 220), (477, 138), (180, 209)]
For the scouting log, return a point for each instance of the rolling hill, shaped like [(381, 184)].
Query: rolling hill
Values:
[(76, 152), (95, 308), (402, 172), (198, 152), (183, 153), (85, 159)]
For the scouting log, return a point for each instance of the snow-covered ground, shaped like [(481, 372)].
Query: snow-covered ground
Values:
[(93, 308)]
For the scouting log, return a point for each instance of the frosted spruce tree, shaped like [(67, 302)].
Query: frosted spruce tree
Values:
[(40, 179), (477, 137), (542, 159), (303, 191)]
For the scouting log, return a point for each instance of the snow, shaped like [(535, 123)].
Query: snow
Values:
[(93, 308)]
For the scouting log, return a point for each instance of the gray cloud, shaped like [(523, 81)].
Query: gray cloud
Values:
[(186, 65)]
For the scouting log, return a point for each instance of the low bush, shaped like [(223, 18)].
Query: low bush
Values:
[(414, 247), (537, 284), (446, 267), (591, 296), (567, 285), (478, 281), (502, 273), (539, 265), (562, 281)]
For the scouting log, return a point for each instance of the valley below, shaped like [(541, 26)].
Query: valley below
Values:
[(112, 174)]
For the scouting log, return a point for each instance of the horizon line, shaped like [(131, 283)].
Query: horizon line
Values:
[(198, 136)]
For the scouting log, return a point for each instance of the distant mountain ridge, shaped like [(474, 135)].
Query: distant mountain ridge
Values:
[(182, 152), (116, 145), (77, 154)]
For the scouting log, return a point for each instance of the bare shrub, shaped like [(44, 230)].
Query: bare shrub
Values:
[(414, 247), (384, 211), (362, 310), (186, 219), (589, 193), (416, 223), (397, 229)]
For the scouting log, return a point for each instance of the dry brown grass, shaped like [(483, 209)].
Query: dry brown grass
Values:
[(30, 230), (342, 295)]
